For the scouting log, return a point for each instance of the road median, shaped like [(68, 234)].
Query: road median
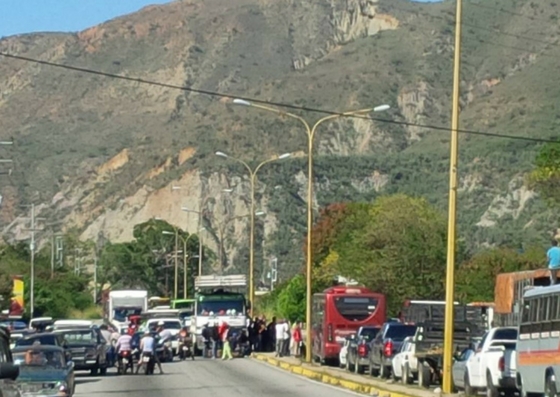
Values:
[(345, 380)]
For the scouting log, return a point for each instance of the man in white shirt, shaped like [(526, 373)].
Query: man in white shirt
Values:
[(148, 345), (163, 333), (282, 333)]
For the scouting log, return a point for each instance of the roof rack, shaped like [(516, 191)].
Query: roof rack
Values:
[(214, 281)]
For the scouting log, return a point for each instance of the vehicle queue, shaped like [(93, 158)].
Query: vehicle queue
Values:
[(510, 346)]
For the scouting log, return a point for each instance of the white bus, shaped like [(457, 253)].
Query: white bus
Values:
[(538, 344)]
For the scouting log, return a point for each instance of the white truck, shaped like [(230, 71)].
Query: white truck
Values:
[(218, 299), (490, 366), (124, 303)]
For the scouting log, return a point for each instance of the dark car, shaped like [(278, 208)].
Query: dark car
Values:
[(43, 370), (88, 349), (8, 371), (45, 338), (385, 345)]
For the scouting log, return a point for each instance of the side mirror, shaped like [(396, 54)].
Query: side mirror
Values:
[(70, 364), (9, 371)]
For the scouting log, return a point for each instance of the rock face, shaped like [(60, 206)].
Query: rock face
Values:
[(102, 153)]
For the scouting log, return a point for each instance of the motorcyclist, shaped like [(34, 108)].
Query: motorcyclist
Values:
[(162, 331), (123, 344), (148, 346)]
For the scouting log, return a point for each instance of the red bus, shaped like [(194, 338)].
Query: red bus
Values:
[(337, 313)]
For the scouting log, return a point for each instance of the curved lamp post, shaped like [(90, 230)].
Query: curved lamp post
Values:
[(310, 130), (253, 179)]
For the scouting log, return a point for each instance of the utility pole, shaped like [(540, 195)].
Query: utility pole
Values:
[(33, 230), (451, 233)]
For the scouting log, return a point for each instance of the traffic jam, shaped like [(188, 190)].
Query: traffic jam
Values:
[(505, 347), (136, 335)]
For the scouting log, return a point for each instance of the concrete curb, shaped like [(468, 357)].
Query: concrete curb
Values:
[(323, 377)]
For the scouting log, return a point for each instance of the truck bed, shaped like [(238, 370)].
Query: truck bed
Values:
[(430, 337)]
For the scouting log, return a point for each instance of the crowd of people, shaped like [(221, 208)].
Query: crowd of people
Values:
[(276, 336)]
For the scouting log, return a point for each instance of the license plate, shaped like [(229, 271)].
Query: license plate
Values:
[(125, 360), (145, 359)]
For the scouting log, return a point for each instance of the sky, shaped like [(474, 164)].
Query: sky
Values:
[(26, 16)]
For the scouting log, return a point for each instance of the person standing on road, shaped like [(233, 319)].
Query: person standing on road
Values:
[(280, 328), (226, 350), (296, 338), (553, 256), (148, 346), (215, 339)]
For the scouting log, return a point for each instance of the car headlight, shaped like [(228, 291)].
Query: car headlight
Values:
[(61, 386)]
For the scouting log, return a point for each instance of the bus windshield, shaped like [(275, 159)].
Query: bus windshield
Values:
[(355, 308), (220, 307), (183, 304)]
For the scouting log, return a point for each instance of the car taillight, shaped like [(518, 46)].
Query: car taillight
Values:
[(388, 348), (330, 333), (362, 350), (501, 364)]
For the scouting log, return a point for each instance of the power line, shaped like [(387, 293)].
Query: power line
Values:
[(503, 10), (269, 103)]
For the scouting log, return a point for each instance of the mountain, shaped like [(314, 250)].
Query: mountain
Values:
[(102, 154)]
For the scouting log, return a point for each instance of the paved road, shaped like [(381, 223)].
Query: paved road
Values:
[(207, 378)]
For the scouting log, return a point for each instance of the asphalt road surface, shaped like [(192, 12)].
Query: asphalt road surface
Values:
[(241, 377)]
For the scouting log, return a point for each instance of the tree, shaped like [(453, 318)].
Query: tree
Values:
[(545, 178), (396, 246), (291, 299), (148, 261)]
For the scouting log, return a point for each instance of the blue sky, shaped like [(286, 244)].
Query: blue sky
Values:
[(26, 16)]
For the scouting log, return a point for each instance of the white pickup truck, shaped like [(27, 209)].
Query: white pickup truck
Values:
[(491, 366)]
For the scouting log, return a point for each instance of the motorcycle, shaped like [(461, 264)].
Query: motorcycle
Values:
[(149, 362), (185, 348), (125, 361), (163, 349)]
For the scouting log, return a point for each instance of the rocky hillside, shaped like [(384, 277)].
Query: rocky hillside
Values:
[(102, 154)]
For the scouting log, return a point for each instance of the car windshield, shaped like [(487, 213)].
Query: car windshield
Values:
[(42, 339), (79, 337), (400, 332), (39, 358), (167, 324), (369, 333)]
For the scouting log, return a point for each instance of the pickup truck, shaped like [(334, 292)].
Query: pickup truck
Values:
[(490, 366), (429, 347), (386, 344), (358, 349)]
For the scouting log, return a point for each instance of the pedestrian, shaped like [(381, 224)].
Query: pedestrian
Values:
[(286, 338), (279, 333), (226, 351), (215, 339), (553, 256), (297, 339)]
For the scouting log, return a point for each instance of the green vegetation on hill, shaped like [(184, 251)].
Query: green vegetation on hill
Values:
[(397, 246)]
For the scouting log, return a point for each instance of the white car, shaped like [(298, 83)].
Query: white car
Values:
[(174, 325), (405, 363), (344, 352)]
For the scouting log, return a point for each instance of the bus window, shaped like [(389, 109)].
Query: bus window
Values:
[(355, 308)]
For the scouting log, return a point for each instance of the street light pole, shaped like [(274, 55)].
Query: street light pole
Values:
[(451, 233), (310, 139), (253, 180)]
